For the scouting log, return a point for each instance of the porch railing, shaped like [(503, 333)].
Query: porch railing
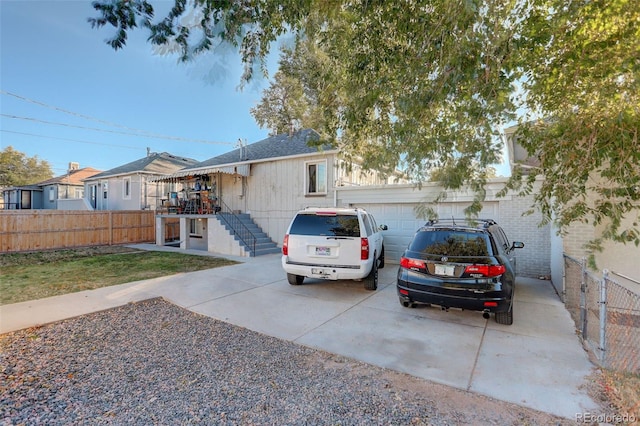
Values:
[(238, 228)]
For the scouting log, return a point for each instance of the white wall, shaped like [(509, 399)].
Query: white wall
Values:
[(276, 192)]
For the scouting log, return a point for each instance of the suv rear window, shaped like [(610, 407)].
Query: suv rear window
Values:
[(338, 226), (450, 243)]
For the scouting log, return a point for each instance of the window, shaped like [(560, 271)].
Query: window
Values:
[(126, 188), (104, 190), (316, 177), (52, 194), (450, 243), (367, 225), (196, 228), (332, 226)]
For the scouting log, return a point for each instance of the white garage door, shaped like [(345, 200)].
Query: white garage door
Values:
[(402, 222)]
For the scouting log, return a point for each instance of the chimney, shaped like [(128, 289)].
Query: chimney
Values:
[(73, 166)]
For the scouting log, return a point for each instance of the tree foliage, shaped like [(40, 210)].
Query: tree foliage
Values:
[(583, 76), (17, 169), (430, 85)]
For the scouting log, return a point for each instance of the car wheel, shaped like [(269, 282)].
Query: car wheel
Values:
[(371, 281), (381, 259), (505, 318), (295, 279)]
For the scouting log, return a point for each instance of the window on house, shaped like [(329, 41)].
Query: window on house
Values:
[(196, 228), (52, 194), (126, 188), (316, 177)]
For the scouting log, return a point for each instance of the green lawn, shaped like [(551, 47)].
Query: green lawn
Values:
[(30, 276)]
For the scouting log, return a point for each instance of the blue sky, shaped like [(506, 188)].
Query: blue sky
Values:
[(50, 55)]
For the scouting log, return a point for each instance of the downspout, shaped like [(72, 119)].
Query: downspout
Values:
[(143, 188)]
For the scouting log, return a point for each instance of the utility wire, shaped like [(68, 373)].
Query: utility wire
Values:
[(144, 135), (137, 132), (71, 140)]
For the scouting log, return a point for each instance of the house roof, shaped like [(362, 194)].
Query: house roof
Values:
[(154, 163), (283, 145), (237, 161), (73, 177)]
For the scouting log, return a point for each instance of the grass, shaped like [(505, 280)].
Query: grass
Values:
[(30, 276)]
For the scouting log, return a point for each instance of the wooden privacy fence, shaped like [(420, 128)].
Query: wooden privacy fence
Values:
[(33, 230)]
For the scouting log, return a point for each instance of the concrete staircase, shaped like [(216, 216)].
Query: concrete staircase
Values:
[(248, 233)]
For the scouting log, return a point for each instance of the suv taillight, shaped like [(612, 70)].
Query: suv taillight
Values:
[(364, 248), (408, 263), (285, 245), (486, 270)]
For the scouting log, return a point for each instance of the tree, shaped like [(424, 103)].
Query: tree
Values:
[(430, 85), (298, 96), (282, 106), (586, 85), (17, 169)]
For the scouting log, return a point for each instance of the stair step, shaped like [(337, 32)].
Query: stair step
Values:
[(263, 243)]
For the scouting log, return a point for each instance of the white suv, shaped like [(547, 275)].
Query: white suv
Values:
[(333, 244)]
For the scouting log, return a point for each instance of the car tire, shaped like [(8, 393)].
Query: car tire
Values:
[(381, 259), (371, 281), (295, 279), (505, 318)]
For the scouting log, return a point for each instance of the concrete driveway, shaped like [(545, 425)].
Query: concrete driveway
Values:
[(537, 362)]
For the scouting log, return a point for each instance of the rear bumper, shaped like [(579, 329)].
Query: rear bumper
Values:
[(327, 272), (494, 301)]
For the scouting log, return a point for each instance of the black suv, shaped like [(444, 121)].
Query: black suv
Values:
[(457, 263)]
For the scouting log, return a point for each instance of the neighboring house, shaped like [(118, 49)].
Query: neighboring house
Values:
[(134, 186), (615, 257), (517, 154), (50, 193), (268, 180), (69, 186), (24, 197)]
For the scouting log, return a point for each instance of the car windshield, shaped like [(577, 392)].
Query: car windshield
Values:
[(450, 243), (337, 226)]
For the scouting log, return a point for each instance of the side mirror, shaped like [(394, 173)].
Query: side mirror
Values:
[(517, 244), (383, 227)]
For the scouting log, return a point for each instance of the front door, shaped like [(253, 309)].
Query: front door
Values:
[(25, 199)]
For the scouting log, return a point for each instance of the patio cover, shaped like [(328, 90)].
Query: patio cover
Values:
[(242, 170)]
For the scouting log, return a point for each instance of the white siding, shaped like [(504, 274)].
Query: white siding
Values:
[(276, 191)]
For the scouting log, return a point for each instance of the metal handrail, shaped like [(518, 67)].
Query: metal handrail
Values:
[(238, 228)]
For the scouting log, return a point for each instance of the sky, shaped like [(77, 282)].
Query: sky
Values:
[(66, 96)]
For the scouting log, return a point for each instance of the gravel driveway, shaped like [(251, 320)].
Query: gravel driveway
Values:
[(155, 363)]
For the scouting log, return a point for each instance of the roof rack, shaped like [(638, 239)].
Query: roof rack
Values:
[(485, 222)]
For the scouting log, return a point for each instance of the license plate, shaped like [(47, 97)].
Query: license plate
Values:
[(445, 270), (323, 251)]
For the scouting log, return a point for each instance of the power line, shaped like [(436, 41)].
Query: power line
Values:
[(151, 136), (137, 132), (135, 148), (71, 140)]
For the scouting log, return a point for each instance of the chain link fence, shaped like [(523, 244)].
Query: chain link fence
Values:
[(606, 313)]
